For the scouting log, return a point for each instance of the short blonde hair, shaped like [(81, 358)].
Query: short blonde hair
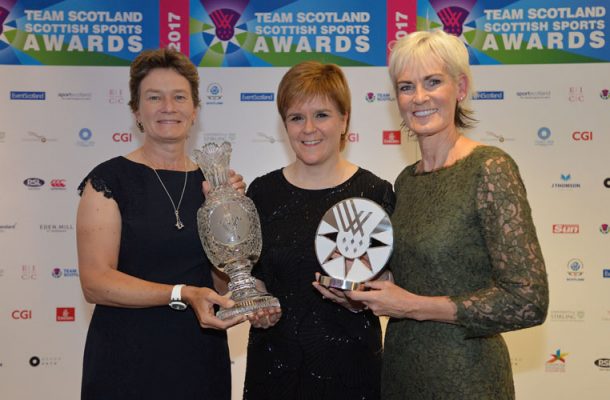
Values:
[(419, 49), (312, 79)]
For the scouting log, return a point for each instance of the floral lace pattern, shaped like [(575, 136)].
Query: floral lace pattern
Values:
[(464, 231), (99, 184)]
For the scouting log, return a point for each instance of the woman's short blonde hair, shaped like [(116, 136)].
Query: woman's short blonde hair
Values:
[(420, 49)]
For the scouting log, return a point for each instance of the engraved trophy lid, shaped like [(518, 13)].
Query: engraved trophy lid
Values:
[(353, 243)]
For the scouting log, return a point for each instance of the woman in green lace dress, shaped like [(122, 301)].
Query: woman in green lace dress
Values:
[(467, 263)]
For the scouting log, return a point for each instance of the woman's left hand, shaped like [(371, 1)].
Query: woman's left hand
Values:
[(235, 179), (265, 318), (337, 296)]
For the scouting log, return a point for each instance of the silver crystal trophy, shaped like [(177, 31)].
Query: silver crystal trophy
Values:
[(230, 231), (353, 243)]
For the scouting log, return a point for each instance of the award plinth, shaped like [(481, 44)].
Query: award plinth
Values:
[(230, 232), (353, 243)]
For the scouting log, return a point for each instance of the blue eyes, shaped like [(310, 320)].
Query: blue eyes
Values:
[(429, 84)]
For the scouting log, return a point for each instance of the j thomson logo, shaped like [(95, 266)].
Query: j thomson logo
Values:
[(28, 95), (257, 97)]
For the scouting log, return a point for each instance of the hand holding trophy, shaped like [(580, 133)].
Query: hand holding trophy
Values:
[(230, 232), (353, 243)]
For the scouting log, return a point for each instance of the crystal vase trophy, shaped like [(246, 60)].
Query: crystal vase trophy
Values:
[(230, 231), (353, 243)]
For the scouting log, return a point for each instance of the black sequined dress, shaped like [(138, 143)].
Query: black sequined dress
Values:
[(155, 352), (318, 350)]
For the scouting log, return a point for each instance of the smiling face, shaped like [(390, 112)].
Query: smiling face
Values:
[(314, 129), (166, 108), (427, 97)]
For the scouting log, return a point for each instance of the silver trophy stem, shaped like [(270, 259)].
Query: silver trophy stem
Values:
[(248, 299)]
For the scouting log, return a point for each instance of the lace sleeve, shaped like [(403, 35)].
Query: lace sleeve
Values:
[(518, 297), (99, 184)]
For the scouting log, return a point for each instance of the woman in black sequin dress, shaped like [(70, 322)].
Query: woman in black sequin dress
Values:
[(138, 245), (319, 349)]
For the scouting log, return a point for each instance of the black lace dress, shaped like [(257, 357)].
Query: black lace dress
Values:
[(318, 350), (465, 231), (156, 352)]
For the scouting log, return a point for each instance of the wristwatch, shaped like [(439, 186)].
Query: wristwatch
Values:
[(175, 301)]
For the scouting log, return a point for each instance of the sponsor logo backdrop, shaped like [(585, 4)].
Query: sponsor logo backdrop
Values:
[(63, 109)]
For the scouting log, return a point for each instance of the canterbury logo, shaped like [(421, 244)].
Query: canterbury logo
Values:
[(349, 219), (60, 183)]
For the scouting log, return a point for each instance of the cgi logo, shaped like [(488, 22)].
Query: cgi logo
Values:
[(353, 137), (604, 94), (584, 135), (58, 184), (121, 137), (21, 314), (566, 228), (65, 314), (391, 137), (33, 182)]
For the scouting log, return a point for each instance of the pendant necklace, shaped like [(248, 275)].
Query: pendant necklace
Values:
[(179, 224)]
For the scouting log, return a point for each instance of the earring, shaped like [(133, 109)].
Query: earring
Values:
[(140, 126)]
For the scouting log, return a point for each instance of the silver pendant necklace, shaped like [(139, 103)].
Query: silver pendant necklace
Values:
[(179, 225)]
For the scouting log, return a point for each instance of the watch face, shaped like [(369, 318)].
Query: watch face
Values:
[(177, 305)]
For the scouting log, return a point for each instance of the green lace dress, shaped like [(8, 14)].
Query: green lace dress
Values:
[(464, 231)]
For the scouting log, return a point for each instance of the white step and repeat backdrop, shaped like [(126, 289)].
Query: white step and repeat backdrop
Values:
[(542, 78)]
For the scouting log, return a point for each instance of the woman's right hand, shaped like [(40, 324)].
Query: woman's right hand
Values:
[(203, 299)]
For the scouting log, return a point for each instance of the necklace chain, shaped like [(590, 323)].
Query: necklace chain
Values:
[(179, 224)]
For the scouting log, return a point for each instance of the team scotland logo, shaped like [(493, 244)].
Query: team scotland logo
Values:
[(452, 14), (221, 31)]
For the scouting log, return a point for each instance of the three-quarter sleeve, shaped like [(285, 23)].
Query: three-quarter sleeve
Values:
[(518, 296)]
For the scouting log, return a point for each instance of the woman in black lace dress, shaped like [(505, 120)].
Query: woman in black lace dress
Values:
[(140, 258), (466, 259), (321, 347)]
